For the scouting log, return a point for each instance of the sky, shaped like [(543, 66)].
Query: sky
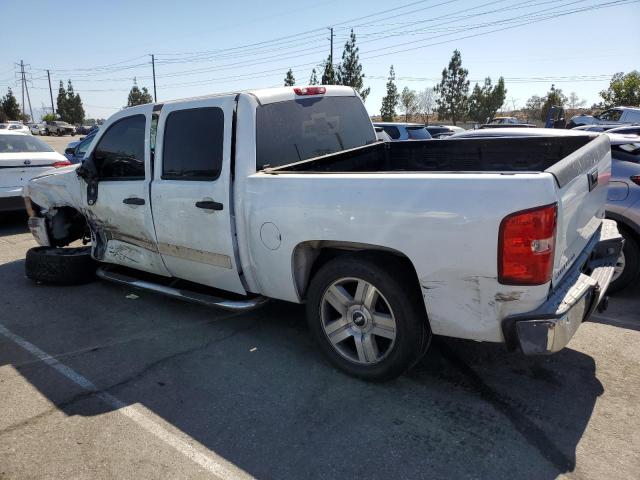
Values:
[(203, 47)]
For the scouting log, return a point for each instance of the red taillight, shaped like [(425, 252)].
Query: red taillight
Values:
[(61, 163), (526, 246), (635, 179), (310, 90)]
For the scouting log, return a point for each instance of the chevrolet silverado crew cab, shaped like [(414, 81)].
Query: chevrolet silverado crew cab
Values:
[(285, 193)]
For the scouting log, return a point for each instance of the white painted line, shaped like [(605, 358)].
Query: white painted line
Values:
[(178, 440)]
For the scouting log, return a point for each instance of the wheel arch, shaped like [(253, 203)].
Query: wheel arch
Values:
[(309, 256), (625, 223)]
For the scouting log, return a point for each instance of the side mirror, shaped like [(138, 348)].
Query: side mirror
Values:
[(70, 151)]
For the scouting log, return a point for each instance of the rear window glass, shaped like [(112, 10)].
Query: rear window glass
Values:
[(393, 132), (629, 152), (22, 144), (291, 131), (418, 133)]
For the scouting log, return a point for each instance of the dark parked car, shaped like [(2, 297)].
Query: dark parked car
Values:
[(443, 131), (404, 131), (85, 129)]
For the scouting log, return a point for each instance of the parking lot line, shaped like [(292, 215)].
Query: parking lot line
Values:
[(180, 442)]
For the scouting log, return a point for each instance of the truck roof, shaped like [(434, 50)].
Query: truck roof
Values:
[(273, 95)]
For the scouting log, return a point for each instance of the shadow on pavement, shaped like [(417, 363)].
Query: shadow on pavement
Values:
[(12, 223), (254, 389)]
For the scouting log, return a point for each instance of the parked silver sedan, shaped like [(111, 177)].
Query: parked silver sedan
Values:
[(623, 206)]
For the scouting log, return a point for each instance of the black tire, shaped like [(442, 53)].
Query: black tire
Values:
[(412, 332), (47, 132), (60, 266), (631, 270)]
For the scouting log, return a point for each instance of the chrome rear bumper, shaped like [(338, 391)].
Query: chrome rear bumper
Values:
[(550, 327)]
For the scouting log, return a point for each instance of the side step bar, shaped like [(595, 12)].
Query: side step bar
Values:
[(107, 273)]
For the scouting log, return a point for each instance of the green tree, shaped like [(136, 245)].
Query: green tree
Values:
[(624, 90), (48, 117), (391, 99), (409, 103), (10, 107), (350, 69), (328, 73), (138, 97), (554, 97), (61, 103), (453, 90), (289, 80), (485, 101), (314, 78), (74, 110)]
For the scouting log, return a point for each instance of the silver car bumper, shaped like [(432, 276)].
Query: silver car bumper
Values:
[(549, 328)]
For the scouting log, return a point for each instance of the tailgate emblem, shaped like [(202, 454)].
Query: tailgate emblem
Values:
[(592, 176), (27, 162)]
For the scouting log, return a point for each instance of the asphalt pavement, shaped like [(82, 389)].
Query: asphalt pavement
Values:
[(102, 381)]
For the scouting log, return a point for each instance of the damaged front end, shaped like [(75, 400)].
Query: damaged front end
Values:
[(54, 205)]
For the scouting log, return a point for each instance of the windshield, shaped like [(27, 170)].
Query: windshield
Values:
[(418, 133), (22, 144), (291, 131)]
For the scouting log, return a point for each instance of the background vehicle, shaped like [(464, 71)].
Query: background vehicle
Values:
[(37, 128), (443, 131), (382, 135), (615, 116), (286, 193), (502, 122), (85, 129), (75, 151), (404, 131), (623, 205), (60, 128), (23, 157), (626, 130), (18, 127)]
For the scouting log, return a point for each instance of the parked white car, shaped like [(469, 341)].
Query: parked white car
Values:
[(15, 126), (285, 193), (37, 128), (23, 157)]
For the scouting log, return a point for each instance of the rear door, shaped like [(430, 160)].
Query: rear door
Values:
[(582, 181), (122, 211), (191, 192)]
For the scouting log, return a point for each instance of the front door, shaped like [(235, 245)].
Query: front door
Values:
[(191, 194), (121, 215)]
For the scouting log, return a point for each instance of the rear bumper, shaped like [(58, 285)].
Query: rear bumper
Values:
[(11, 199), (549, 328)]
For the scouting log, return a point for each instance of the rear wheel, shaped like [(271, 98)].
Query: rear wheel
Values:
[(365, 319), (60, 266), (628, 265)]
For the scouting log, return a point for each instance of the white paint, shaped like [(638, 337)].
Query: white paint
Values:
[(178, 440)]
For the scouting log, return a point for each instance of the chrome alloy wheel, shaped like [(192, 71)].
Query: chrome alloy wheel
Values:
[(358, 320), (619, 268)]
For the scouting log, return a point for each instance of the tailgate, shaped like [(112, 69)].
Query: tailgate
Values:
[(582, 180)]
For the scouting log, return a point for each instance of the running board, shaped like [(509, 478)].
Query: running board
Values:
[(111, 275)]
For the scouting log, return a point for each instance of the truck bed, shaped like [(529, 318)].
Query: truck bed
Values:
[(517, 154)]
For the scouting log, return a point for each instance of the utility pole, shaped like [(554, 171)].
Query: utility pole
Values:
[(153, 68), (51, 93), (26, 87), (22, 84), (331, 51)]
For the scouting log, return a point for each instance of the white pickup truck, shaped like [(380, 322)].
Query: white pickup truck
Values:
[(285, 193)]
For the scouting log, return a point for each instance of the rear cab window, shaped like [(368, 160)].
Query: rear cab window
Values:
[(296, 130)]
